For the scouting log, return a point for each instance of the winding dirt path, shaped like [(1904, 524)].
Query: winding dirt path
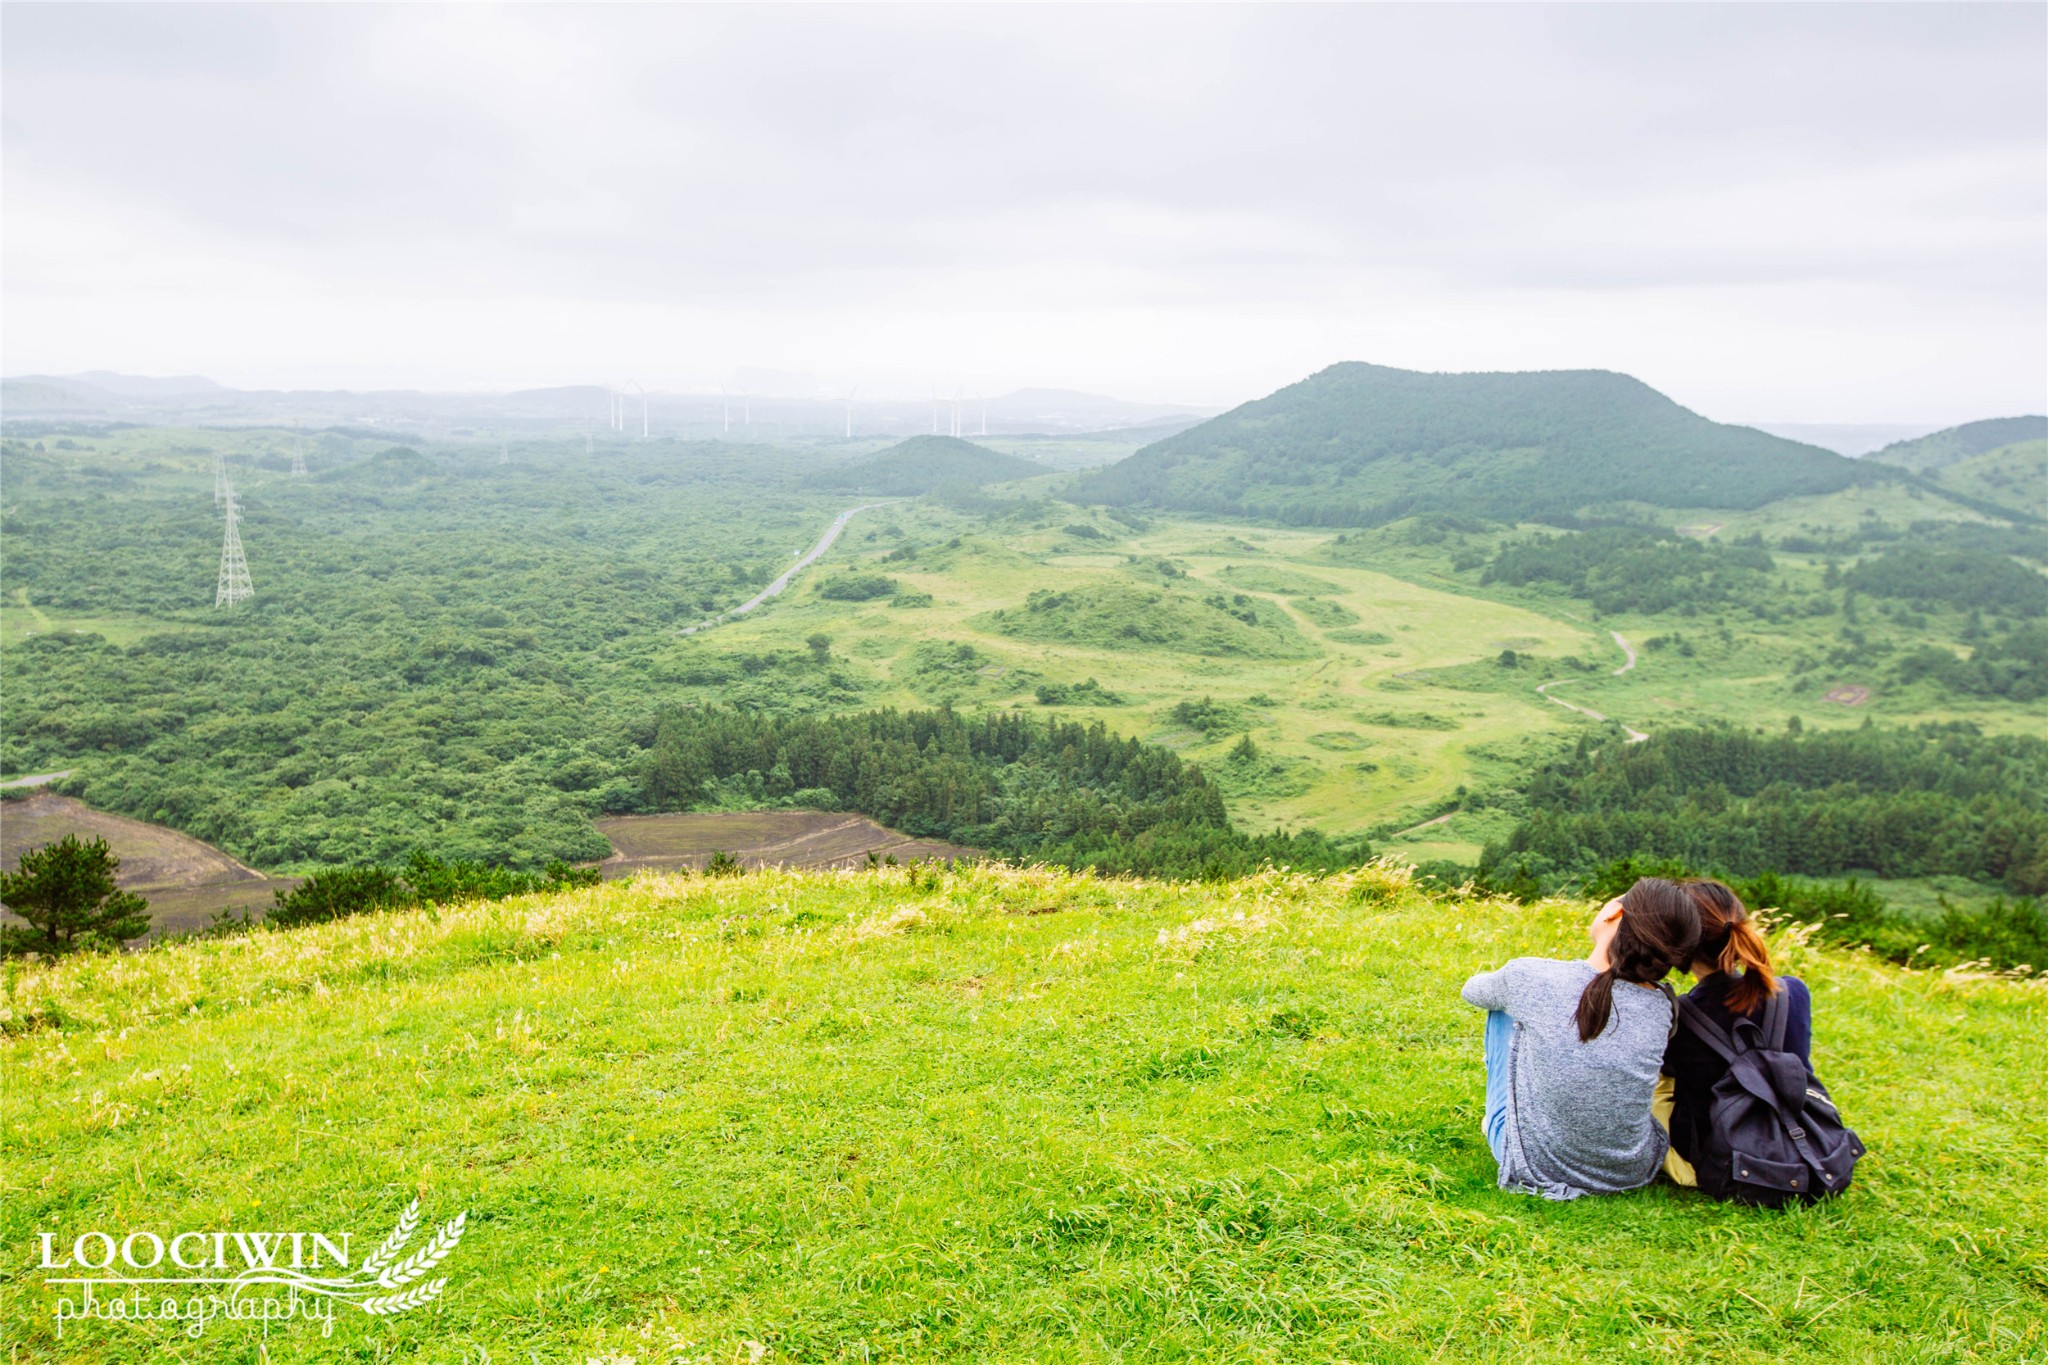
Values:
[(789, 575), (1634, 736), (1631, 663), (1543, 690)]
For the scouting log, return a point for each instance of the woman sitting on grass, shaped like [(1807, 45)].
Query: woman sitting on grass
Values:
[(1732, 969), (1572, 1059)]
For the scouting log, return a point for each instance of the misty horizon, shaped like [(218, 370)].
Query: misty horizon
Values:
[(1817, 215)]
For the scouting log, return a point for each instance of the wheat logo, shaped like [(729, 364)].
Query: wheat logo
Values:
[(261, 1276), (382, 1268)]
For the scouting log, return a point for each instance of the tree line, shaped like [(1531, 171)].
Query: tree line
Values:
[(1938, 799), (1043, 790)]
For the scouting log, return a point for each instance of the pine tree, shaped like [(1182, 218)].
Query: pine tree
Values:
[(66, 891)]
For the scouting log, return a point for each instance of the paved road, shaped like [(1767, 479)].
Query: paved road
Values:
[(789, 575), (37, 779)]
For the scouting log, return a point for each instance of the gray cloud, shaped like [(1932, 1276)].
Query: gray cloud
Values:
[(1818, 212)]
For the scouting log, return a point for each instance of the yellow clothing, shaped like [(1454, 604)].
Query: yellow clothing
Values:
[(1675, 1166)]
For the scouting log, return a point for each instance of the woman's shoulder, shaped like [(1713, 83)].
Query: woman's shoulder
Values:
[(1550, 969)]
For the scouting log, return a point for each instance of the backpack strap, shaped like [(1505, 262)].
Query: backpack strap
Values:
[(1672, 996), (1775, 1020), (1706, 1030)]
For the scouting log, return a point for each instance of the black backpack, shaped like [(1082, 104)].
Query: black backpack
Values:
[(1772, 1137)]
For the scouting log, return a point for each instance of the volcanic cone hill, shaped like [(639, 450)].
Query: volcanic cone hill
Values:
[(1359, 445)]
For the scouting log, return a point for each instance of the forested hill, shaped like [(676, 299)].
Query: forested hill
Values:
[(1357, 445), (1940, 449), (924, 463)]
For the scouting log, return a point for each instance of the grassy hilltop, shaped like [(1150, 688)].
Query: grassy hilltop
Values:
[(993, 1115), (923, 463), (1360, 445)]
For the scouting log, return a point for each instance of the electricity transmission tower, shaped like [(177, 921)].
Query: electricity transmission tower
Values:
[(234, 585), (298, 455), (220, 478)]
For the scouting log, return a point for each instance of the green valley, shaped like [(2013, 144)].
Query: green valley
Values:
[(493, 630)]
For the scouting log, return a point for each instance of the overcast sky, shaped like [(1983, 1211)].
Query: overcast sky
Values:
[(1821, 213)]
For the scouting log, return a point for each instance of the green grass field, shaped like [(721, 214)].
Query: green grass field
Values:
[(1396, 704), (1388, 743), (994, 1115)]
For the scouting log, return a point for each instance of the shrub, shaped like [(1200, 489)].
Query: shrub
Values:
[(1089, 693), (857, 587), (337, 892)]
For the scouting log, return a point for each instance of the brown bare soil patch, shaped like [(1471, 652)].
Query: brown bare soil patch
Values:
[(761, 838), (1847, 695), (184, 879)]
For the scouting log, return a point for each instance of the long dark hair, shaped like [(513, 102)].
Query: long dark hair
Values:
[(1729, 940), (1659, 929)]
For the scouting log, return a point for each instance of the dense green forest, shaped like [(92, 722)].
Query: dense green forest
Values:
[(1637, 569), (443, 650), (2014, 666), (1040, 790), (1359, 445), (1897, 803), (1962, 579)]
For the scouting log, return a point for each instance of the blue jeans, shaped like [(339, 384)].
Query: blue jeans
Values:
[(1500, 1037)]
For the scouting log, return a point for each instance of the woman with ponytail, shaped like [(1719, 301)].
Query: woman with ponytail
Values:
[(1573, 1049), (1732, 971)]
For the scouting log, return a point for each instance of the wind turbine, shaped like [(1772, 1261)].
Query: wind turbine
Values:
[(849, 410), (635, 385)]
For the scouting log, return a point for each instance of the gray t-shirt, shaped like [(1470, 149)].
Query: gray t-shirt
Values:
[(1578, 1119)]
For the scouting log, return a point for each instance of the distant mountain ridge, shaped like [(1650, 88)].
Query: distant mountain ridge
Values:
[(1955, 444), (99, 397), (923, 464), (1358, 445), (95, 383)]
